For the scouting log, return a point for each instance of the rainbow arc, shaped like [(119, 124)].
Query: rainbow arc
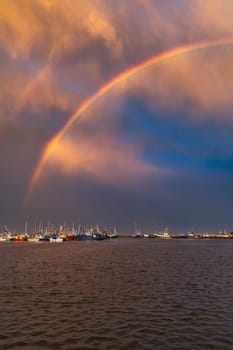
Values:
[(103, 90)]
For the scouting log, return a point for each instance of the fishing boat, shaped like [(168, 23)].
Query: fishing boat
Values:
[(19, 238), (92, 234)]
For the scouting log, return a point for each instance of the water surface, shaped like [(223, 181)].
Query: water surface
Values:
[(121, 294)]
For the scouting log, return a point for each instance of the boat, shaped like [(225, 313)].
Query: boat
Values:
[(6, 235), (55, 239), (44, 238), (52, 238), (148, 235), (92, 234), (163, 235), (137, 234), (111, 235), (184, 236), (19, 238)]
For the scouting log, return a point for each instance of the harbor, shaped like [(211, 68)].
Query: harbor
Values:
[(61, 233)]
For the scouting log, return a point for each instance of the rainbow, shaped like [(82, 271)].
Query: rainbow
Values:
[(87, 103), (27, 92)]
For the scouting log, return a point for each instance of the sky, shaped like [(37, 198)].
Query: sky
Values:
[(117, 113)]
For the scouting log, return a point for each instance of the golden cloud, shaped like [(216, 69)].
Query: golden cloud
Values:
[(88, 42), (104, 159), (53, 26)]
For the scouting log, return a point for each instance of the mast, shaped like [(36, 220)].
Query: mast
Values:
[(26, 228)]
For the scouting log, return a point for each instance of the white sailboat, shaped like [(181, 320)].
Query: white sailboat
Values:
[(112, 235)]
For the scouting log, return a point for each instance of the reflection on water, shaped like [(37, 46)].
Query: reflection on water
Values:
[(123, 294)]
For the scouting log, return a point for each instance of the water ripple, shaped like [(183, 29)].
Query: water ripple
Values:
[(126, 294)]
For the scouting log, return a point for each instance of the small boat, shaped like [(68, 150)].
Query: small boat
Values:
[(4, 238), (50, 238), (44, 238), (137, 234), (111, 235), (148, 235), (183, 236), (67, 237), (163, 235), (19, 238), (55, 239)]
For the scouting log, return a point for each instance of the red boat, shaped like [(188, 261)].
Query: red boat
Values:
[(19, 239)]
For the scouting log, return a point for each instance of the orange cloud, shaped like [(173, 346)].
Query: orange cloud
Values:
[(53, 26), (102, 158), (89, 42), (59, 31), (201, 79), (50, 28)]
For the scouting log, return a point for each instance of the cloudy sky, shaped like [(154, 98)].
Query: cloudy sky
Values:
[(115, 112)]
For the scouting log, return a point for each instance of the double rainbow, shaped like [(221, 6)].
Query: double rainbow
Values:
[(41, 77), (87, 103)]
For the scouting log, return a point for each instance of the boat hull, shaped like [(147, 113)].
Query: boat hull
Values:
[(88, 237), (18, 239)]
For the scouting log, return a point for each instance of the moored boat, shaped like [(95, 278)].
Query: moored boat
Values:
[(19, 238), (55, 239), (111, 235), (44, 238), (92, 234), (163, 235), (148, 235), (137, 234)]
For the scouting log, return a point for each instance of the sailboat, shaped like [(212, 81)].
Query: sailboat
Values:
[(137, 233), (5, 236), (112, 235)]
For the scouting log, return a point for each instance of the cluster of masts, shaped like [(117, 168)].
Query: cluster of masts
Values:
[(61, 233)]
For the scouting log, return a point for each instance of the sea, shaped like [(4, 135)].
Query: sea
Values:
[(117, 294)]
